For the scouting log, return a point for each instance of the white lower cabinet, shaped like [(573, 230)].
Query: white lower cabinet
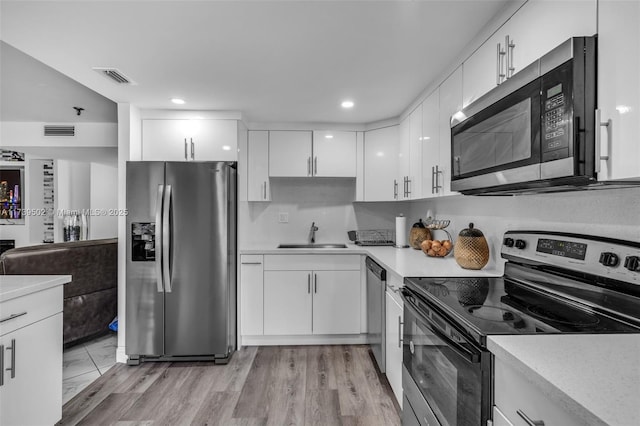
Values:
[(251, 295), (393, 348), (519, 402), (311, 294), (31, 345)]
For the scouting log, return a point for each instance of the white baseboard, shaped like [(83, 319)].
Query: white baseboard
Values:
[(121, 355), (348, 339)]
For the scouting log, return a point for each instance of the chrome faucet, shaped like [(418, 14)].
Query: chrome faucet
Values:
[(312, 233)]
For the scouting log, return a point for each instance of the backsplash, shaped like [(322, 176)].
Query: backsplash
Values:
[(611, 213), (327, 202)]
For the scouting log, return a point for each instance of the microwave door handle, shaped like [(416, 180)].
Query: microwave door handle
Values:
[(471, 357)]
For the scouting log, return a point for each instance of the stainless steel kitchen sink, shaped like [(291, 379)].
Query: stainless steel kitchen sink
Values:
[(311, 246)]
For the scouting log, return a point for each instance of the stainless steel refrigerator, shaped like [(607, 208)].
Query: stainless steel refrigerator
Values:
[(181, 261)]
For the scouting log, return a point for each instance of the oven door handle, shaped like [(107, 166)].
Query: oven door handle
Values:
[(472, 357)]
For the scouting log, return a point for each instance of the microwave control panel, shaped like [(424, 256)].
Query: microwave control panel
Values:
[(556, 109)]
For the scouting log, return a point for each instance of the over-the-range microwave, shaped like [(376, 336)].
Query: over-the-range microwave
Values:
[(533, 133)]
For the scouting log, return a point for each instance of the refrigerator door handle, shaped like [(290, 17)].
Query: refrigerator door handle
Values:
[(166, 239), (159, 239)]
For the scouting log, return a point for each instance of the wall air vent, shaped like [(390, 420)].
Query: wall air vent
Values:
[(56, 130), (114, 74)]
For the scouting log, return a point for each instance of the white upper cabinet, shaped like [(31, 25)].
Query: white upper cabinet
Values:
[(334, 154), (430, 144), (380, 164), (403, 162), (258, 188), (414, 175), (535, 29), (619, 88), (305, 153), (189, 140), (450, 98), (290, 153)]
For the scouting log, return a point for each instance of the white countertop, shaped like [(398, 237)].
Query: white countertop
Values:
[(12, 286), (405, 262), (594, 377)]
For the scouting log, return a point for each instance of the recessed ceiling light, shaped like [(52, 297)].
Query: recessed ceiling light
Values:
[(177, 101), (347, 104), (328, 136)]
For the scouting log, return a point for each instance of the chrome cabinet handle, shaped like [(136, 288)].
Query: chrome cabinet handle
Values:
[(12, 348), (400, 324), (528, 420), (436, 179), (315, 165), (408, 186), (1, 365), (509, 46), (308, 166), (185, 149), (395, 189), (598, 140), (265, 190), (166, 239), (13, 316), (159, 238), (315, 283), (499, 74), (251, 263), (193, 150), (309, 283)]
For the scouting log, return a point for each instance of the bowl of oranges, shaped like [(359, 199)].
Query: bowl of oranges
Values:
[(436, 248)]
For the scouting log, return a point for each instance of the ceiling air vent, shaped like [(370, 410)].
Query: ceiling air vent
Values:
[(52, 130), (115, 75)]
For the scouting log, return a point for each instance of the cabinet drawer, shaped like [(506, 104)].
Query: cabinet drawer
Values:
[(514, 392), (35, 306), (315, 262)]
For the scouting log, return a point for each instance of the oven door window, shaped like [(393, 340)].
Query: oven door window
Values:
[(450, 383), (502, 136)]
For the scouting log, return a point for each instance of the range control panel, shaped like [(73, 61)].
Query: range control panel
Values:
[(612, 258)]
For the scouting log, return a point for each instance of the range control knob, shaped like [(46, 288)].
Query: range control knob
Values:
[(520, 244), (609, 259), (632, 263), (508, 242)]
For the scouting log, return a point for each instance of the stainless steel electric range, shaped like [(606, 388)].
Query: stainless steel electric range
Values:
[(553, 283)]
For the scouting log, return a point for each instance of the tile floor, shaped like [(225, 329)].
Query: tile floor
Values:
[(84, 363)]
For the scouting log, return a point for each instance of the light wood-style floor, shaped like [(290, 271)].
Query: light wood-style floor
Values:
[(284, 385)]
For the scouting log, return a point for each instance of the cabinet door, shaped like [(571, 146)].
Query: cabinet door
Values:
[(34, 395), (336, 302), (414, 185), (619, 88), (214, 140), (430, 144), (380, 163), (403, 159), (287, 302), (540, 26), (393, 359), (251, 295), (289, 154), (481, 69), (334, 154), (166, 140), (258, 188), (450, 103)]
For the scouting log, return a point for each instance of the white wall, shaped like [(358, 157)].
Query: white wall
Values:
[(103, 201), (607, 212)]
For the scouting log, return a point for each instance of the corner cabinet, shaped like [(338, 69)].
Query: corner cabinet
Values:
[(189, 140), (312, 154), (31, 358), (258, 187), (619, 89), (380, 164), (311, 294)]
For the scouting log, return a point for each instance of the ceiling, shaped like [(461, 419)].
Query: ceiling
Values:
[(274, 61)]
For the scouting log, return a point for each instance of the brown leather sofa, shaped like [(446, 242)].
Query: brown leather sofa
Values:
[(91, 298)]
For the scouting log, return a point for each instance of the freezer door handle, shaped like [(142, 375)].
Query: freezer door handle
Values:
[(159, 239), (166, 239)]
